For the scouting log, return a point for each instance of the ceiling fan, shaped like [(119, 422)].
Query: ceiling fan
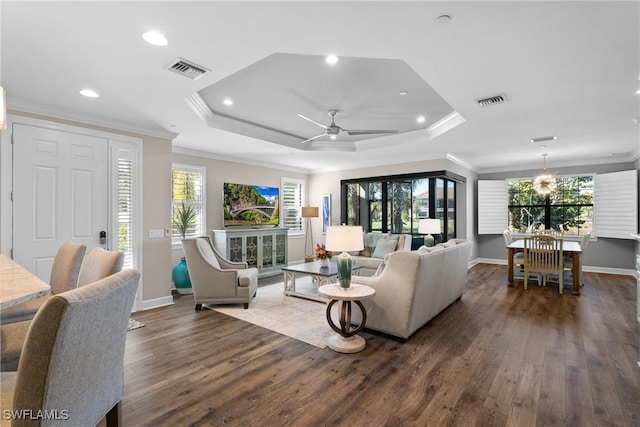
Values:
[(333, 130)]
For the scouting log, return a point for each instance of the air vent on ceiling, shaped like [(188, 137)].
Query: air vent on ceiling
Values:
[(493, 100), (187, 69)]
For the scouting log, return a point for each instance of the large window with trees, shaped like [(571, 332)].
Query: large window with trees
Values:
[(569, 209), (395, 204)]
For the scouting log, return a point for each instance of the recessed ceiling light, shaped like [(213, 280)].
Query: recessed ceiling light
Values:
[(638, 92), (155, 38), (421, 119), (331, 59), (332, 137), (89, 93), (404, 93), (227, 101)]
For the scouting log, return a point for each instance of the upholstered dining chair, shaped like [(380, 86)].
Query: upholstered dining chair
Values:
[(64, 276), (518, 257), (96, 264), (216, 280), (73, 361), (543, 254)]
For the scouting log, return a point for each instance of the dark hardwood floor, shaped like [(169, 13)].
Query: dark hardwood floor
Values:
[(498, 357)]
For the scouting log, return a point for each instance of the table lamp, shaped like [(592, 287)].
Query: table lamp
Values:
[(428, 226), (308, 212), (344, 238)]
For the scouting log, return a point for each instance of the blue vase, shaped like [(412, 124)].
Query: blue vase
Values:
[(180, 276)]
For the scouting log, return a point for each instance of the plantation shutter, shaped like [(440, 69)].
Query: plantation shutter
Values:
[(125, 210), (492, 207), (615, 206), (292, 200)]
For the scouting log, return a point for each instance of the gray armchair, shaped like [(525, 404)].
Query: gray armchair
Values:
[(73, 358), (216, 280)]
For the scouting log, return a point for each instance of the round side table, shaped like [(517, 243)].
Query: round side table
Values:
[(346, 341)]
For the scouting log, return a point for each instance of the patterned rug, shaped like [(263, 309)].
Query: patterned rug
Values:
[(294, 317), (134, 324)]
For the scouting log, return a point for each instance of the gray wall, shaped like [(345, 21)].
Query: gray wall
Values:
[(604, 253)]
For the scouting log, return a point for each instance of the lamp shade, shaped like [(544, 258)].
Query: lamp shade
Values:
[(310, 212), (344, 238), (429, 226)]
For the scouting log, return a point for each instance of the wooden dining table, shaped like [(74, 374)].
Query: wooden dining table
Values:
[(17, 284), (569, 248)]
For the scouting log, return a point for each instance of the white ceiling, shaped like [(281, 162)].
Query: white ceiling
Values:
[(569, 69)]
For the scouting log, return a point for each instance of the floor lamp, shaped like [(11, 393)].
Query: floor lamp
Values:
[(428, 226), (309, 212)]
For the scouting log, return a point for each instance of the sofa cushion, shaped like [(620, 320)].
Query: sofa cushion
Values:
[(383, 247)]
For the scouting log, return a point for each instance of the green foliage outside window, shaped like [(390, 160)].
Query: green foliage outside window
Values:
[(569, 209)]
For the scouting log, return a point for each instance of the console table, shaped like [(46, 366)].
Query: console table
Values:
[(261, 248)]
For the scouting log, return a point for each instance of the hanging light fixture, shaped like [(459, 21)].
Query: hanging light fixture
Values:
[(544, 183)]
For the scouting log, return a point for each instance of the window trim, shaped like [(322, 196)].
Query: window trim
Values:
[(176, 241)]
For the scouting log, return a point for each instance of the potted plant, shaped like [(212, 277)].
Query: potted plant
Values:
[(184, 217)]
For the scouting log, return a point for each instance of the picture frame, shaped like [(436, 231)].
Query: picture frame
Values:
[(325, 207)]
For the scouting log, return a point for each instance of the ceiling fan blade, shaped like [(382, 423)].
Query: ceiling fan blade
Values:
[(313, 121), (367, 132), (314, 137)]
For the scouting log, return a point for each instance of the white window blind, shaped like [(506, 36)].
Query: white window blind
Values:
[(188, 189), (492, 207), (616, 204), (292, 201)]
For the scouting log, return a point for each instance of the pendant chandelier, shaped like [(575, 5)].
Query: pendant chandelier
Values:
[(544, 183)]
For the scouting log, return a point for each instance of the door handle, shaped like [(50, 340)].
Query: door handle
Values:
[(103, 237)]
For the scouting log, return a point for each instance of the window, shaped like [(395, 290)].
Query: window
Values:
[(292, 202), (395, 204), (187, 187), (569, 209)]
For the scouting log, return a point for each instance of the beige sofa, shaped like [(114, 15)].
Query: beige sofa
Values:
[(414, 287), (376, 247)]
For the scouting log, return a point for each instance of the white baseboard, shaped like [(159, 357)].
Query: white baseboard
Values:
[(155, 303), (587, 268)]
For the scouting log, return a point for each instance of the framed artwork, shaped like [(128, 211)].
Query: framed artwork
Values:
[(325, 203)]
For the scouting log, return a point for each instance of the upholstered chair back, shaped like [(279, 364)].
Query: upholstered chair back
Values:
[(73, 356), (98, 264), (66, 267)]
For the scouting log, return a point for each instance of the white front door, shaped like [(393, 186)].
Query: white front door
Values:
[(60, 193)]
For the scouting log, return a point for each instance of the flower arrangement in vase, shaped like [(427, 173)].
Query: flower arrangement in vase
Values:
[(322, 255)]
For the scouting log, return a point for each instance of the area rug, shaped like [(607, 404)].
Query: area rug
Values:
[(134, 324), (294, 317)]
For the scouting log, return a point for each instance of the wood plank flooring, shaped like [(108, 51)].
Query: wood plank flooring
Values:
[(499, 357)]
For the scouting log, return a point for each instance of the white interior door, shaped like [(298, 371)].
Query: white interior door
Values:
[(60, 193)]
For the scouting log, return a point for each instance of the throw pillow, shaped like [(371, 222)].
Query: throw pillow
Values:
[(384, 247), (449, 243), (365, 253)]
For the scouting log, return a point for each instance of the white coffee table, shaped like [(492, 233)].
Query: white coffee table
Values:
[(346, 341), (321, 276)]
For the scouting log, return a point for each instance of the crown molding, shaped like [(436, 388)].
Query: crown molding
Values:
[(209, 155), (17, 105)]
